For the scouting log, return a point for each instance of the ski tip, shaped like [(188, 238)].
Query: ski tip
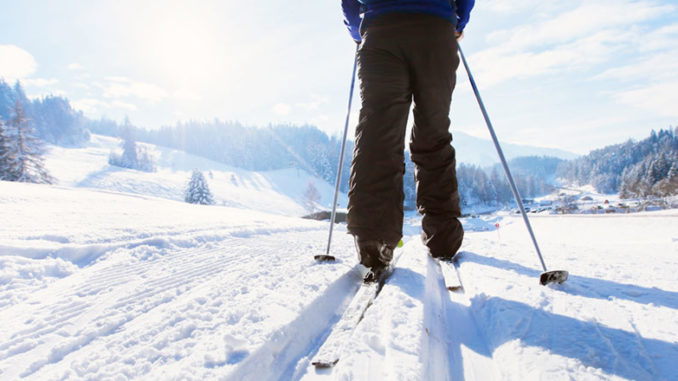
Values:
[(556, 276), (325, 258)]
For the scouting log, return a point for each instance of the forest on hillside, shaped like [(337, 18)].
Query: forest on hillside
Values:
[(634, 168)]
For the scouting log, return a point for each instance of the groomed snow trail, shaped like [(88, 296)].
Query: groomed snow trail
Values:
[(612, 320), (415, 330), (163, 298), (189, 310), (94, 286)]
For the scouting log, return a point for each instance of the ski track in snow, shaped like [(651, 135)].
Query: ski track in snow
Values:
[(107, 310), (243, 299)]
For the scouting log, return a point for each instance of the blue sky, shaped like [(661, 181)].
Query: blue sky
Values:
[(575, 75)]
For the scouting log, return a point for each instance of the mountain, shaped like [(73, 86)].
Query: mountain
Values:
[(634, 169), (481, 152)]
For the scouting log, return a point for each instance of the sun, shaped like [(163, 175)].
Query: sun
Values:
[(182, 45)]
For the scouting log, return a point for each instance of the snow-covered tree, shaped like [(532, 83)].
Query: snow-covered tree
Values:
[(632, 168), (56, 122), (5, 150), (52, 118), (129, 147), (22, 152), (133, 156), (197, 191), (311, 197)]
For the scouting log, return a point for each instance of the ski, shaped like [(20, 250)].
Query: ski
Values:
[(333, 347), (338, 341), (450, 270)]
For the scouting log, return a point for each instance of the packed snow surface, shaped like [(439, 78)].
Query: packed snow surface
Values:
[(96, 284), (109, 275)]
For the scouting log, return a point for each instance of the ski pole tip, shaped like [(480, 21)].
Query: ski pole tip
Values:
[(325, 258), (556, 276)]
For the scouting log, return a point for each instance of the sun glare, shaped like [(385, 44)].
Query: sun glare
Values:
[(183, 47)]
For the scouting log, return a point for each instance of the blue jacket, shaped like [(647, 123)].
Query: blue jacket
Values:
[(457, 11)]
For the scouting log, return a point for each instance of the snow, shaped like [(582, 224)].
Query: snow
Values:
[(116, 283), (279, 191)]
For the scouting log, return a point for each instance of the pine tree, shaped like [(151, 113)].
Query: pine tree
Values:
[(624, 191), (311, 197), (5, 151), (133, 156), (197, 191), (129, 147), (23, 161)]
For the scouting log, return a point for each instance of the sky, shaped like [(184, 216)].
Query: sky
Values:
[(575, 75)]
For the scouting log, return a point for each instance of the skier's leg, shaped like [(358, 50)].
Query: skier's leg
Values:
[(375, 208), (434, 62)]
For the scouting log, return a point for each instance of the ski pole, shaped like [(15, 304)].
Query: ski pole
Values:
[(546, 277), (327, 256)]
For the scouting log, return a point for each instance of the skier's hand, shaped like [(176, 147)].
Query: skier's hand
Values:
[(460, 35)]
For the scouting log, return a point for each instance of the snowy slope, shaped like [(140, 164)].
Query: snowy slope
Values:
[(279, 191), (101, 285), (481, 151)]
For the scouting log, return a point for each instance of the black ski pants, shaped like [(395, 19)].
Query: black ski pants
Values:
[(405, 57)]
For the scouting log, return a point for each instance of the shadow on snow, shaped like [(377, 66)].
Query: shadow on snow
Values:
[(588, 287), (614, 351)]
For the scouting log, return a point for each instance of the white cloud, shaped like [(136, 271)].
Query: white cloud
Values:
[(662, 39), (15, 63), (113, 78), (659, 98), (282, 109), (313, 104), (40, 82), (75, 66), (94, 107), (517, 6), (186, 95), (122, 87), (658, 67), (590, 17), (39, 87), (592, 33), (498, 65), (123, 105)]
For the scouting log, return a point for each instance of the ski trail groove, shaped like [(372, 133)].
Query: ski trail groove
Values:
[(294, 344), (58, 320), (618, 360), (464, 334), (138, 297)]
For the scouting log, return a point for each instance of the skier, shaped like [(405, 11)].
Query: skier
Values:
[(407, 51)]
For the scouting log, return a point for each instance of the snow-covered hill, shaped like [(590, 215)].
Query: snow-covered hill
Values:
[(280, 191), (481, 151), (105, 285)]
